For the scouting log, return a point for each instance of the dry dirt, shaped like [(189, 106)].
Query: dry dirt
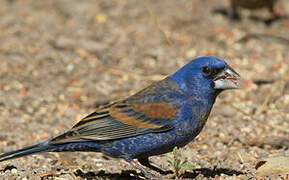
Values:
[(59, 59)]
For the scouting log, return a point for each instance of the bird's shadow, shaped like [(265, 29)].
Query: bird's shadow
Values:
[(211, 173), (133, 175), (268, 21), (125, 174)]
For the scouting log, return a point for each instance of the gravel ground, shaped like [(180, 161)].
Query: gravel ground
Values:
[(59, 59)]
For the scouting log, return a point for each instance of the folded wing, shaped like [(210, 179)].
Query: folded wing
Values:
[(131, 117)]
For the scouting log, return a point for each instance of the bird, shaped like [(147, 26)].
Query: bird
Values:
[(251, 4), (168, 113)]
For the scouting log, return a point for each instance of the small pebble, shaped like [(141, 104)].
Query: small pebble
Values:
[(14, 171)]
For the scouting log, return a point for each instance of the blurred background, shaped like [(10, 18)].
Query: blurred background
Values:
[(60, 59)]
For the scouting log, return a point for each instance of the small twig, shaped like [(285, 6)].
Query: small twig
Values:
[(159, 26), (265, 104), (241, 158), (48, 173), (260, 82)]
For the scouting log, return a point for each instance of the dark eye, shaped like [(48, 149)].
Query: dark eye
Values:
[(206, 70)]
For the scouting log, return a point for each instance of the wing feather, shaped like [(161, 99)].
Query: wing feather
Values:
[(131, 117)]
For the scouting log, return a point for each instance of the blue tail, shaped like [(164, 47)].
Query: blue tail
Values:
[(43, 147), (47, 147)]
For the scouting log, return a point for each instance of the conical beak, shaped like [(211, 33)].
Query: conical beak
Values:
[(227, 79)]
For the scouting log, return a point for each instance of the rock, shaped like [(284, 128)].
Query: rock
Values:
[(273, 166)]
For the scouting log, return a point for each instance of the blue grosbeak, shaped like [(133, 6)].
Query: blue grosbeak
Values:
[(168, 113)]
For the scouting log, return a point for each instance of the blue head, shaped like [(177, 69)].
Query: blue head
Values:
[(206, 76)]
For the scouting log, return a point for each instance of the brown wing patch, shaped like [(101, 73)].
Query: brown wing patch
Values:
[(125, 119), (159, 111)]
